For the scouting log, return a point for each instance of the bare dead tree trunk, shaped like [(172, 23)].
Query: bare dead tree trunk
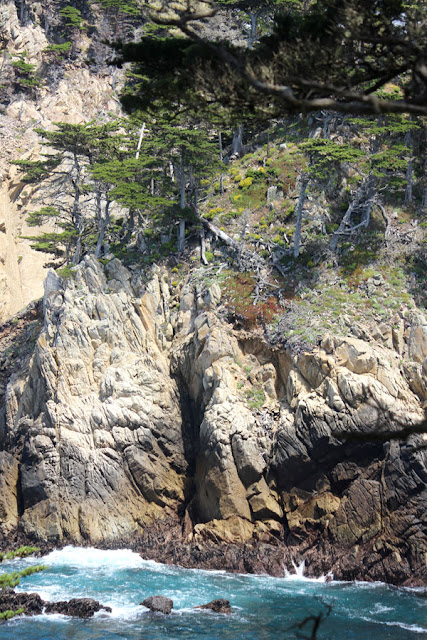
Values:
[(387, 220), (409, 142), (79, 246), (253, 17), (130, 227), (221, 158), (141, 136), (237, 143), (297, 236), (103, 229), (326, 125), (182, 205), (362, 202)]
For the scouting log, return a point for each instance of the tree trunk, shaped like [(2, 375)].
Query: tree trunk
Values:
[(182, 204), (366, 193), (203, 246), (409, 142), (237, 144), (424, 205), (131, 225), (47, 22), (297, 236), (221, 158), (103, 229), (253, 17), (79, 247), (181, 236), (343, 225), (76, 184), (252, 33), (141, 136)]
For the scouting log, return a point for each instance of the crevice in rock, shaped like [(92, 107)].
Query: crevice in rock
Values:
[(19, 495)]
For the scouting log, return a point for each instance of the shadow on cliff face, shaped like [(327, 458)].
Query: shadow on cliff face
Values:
[(192, 417), (18, 338)]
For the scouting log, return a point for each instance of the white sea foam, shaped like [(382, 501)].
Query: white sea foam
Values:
[(380, 608), (299, 574), (123, 612), (91, 558), (407, 627)]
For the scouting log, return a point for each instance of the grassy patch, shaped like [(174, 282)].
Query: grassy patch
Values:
[(255, 398)]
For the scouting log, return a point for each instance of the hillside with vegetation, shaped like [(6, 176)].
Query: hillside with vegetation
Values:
[(231, 352)]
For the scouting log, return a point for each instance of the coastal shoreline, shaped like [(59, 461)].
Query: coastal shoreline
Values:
[(163, 544)]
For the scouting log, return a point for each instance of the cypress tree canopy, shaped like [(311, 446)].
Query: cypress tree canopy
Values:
[(352, 56)]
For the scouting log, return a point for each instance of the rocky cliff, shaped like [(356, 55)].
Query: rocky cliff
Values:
[(72, 91), (143, 416)]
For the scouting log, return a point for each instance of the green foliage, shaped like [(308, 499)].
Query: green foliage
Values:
[(246, 182), (296, 54), (26, 76), (327, 154), (36, 218), (11, 580), (37, 170), (8, 614), (21, 552), (53, 242), (255, 398), (87, 140), (257, 175), (127, 7), (72, 18), (58, 50), (66, 272)]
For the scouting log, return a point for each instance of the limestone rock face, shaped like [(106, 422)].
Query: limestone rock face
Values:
[(142, 406)]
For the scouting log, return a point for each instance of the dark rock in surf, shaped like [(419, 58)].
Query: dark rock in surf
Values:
[(31, 602), (219, 606), (159, 604), (76, 607)]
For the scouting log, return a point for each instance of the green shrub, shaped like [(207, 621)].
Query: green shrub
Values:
[(210, 215), (8, 614), (66, 272), (22, 552), (331, 228), (255, 398), (245, 183)]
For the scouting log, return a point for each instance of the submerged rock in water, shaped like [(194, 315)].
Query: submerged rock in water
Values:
[(76, 607), (33, 605), (160, 604), (219, 606)]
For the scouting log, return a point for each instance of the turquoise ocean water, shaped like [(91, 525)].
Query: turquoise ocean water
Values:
[(264, 608)]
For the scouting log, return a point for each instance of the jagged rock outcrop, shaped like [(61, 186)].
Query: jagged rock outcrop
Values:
[(33, 605), (142, 406), (98, 421)]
